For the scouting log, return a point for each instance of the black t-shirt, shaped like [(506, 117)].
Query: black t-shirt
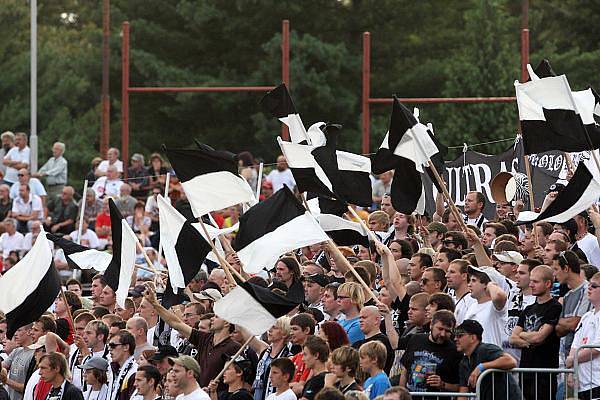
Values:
[(532, 319), (424, 357), (241, 394), (347, 388), (314, 386), (386, 342), (483, 353), (399, 312)]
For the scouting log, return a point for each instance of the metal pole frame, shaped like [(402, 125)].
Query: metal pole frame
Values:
[(366, 88), (126, 89)]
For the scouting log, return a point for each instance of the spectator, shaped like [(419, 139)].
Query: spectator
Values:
[(316, 353), (35, 186), (281, 175), (386, 206), (247, 170), (370, 322), (333, 333), (16, 158), (372, 360), (157, 172), (88, 236), (138, 327), (93, 207), (53, 369), (381, 186), (126, 202), (11, 239), (26, 208), (151, 207), (351, 298), (112, 160), (147, 382), (96, 378), (301, 327), (54, 170), (5, 202), (282, 372), (480, 356), (91, 174), (137, 177), (344, 365), (431, 360), (140, 223), (108, 185), (8, 142), (474, 205), (64, 213), (535, 335), (124, 366), (29, 239), (16, 379)]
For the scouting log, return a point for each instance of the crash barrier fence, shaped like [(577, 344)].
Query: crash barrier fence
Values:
[(580, 382)]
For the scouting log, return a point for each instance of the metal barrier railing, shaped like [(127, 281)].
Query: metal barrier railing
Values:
[(589, 383), (442, 395)]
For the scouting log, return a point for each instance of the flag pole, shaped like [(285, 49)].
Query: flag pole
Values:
[(64, 298), (81, 214), (150, 265), (259, 181), (226, 267), (232, 359), (227, 246), (160, 242), (453, 207)]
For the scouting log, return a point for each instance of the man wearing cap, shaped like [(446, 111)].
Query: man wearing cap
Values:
[(186, 373), (211, 346), (207, 298), (98, 368), (238, 376), (137, 177), (160, 359), (488, 287), (435, 234), (535, 335), (480, 356), (314, 287)]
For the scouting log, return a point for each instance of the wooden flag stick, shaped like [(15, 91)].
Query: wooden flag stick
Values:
[(226, 267), (228, 249), (536, 242), (232, 359), (64, 298), (453, 207), (150, 265)]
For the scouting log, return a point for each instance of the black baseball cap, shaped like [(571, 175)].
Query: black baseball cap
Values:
[(244, 364), (319, 279), (163, 352), (470, 327)]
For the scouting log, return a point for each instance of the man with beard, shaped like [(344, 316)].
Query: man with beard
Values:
[(431, 360), (282, 175), (474, 205)]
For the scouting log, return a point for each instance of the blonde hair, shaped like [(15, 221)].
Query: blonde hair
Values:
[(380, 217), (354, 291), (420, 299), (375, 350), (283, 323)]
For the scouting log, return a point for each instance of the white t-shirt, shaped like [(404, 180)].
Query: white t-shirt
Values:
[(589, 245), (9, 243), (34, 204), (462, 306), (492, 320), (588, 332), (197, 394), (35, 187), (103, 166), (278, 178), (111, 188), (16, 155), (287, 395), (33, 380)]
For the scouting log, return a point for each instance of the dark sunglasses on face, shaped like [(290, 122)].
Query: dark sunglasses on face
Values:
[(114, 345), (594, 285)]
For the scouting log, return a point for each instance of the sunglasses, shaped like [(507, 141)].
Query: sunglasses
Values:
[(114, 345), (20, 175), (594, 285), (342, 297), (448, 241)]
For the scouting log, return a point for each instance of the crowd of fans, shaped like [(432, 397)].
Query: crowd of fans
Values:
[(443, 304)]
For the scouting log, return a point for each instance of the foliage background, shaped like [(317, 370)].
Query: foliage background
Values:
[(419, 49)]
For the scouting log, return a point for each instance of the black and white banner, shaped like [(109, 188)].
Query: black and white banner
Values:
[(474, 171)]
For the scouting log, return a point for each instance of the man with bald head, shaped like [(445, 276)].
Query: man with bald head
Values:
[(369, 322), (126, 202), (281, 175), (535, 335), (63, 213), (138, 327)]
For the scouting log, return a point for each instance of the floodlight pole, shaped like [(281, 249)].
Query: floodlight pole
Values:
[(33, 139)]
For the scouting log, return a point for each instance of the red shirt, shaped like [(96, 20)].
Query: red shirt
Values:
[(302, 373), (103, 219)]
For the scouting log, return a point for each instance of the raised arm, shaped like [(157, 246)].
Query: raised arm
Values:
[(166, 315)]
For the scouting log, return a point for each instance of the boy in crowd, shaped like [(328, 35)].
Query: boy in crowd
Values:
[(372, 357), (282, 372)]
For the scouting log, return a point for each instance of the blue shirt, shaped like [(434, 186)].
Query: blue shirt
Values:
[(352, 328), (377, 385)]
